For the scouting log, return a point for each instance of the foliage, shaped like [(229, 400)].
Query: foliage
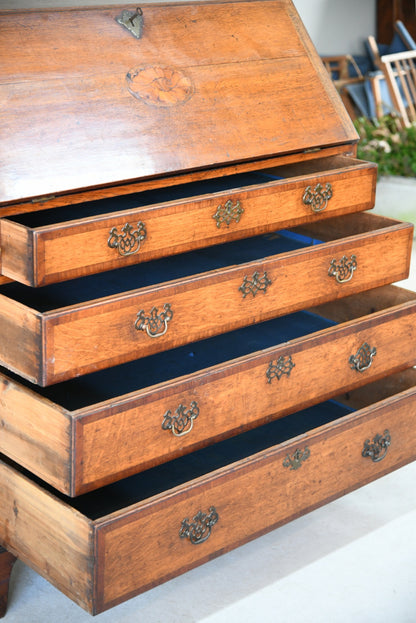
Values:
[(384, 142)]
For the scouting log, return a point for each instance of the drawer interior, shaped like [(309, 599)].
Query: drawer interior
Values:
[(134, 489), (146, 484), (349, 225), (145, 198), (110, 283), (113, 382), (177, 192), (78, 291)]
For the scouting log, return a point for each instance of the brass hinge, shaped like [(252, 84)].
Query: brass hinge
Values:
[(312, 150)]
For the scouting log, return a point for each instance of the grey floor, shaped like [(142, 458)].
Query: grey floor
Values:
[(353, 560)]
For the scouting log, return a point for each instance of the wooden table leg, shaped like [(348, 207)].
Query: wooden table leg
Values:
[(7, 561)]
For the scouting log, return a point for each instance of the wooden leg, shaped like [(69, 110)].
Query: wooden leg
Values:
[(7, 561)]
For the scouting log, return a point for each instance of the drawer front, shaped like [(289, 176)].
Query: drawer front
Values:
[(136, 324), (46, 254), (166, 537), (126, 551), (126, 437), (87, 448)]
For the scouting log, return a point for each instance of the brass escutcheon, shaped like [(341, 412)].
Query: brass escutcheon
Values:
[(130, 239), (133, 21), (228, 213), (276, 369), (317, 198), (155, 325), (255, 284), (377, 449), (181, 423), (363, 358), (199, 529), (297, 458), (343, 271)]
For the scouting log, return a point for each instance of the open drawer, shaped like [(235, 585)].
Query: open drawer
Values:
[(93, 430), (111, 544), (65, 243), (67, 329)]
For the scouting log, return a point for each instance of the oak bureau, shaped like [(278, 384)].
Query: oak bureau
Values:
[(196, 316)]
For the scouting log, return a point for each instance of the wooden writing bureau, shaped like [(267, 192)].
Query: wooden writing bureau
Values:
[(195, 311)]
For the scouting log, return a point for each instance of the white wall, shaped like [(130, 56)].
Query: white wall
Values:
[(335, 26), (338, 26)]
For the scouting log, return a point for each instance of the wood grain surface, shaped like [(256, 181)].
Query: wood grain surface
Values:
[(103, 134)]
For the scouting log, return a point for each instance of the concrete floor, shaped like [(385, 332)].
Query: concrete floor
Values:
[(353, 560)]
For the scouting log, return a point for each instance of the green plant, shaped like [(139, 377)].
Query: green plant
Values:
[(384, 142)]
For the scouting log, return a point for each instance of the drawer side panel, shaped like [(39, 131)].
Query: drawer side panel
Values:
[(17, 252), (35, 433), (21, 347), (47, 535)]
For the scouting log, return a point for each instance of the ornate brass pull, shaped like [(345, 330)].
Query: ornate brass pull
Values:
[(363, 358), (228, 213), (155, 324), (297, 458), (254, 285), (129, 241), (199, 529), (181, 423), (377, 449), (283, 365), (343, 271), (318, 198)]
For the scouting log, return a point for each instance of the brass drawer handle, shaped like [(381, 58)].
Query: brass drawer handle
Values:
[(318, 198), (228, 213), (363, 358), (297, 458), (276, 369), (199, 529), (255, 284), (377, 449), (343, 271), (181, 423), (155, 324), (130, 239)]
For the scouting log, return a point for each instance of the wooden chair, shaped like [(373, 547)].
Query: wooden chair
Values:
[(374, 52), (401, 42), (338, 68), (404, 35), (400, 73)]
